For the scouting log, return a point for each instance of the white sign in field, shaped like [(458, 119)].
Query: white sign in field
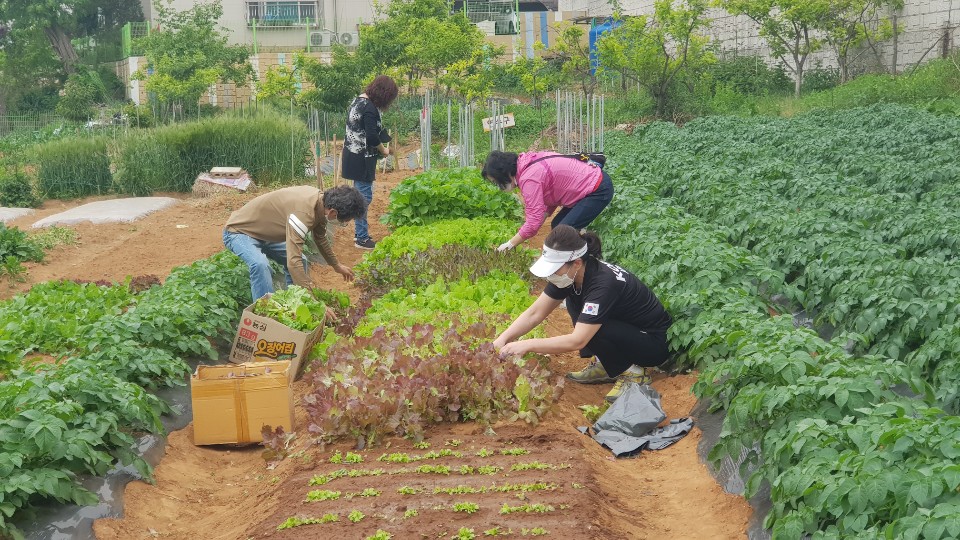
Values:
[(504, 120)]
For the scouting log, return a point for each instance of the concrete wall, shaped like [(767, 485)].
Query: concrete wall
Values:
[(923, 23), (124, 69)]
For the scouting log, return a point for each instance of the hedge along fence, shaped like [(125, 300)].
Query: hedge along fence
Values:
[(271, 147), (73, 167)]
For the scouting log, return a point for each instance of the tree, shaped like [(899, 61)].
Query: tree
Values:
[(337, 83), (472, 78), (417, 39), (536, 75), (853, 23), (95, 16), (657, 51), (82, 91), (30, 73), (189, 53), (788, 27), (54, 17), (573, 54), (280, 82)]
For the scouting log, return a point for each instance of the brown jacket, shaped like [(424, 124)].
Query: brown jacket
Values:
[(287, 215)]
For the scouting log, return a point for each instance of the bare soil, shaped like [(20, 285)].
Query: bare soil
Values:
[(223, 492)]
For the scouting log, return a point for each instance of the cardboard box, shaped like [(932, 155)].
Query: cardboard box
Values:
[(232, 403), (261, 339)]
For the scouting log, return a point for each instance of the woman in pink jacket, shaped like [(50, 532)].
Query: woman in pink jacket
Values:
[(548, 181)]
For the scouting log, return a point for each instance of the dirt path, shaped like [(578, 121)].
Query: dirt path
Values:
[(228, 493)]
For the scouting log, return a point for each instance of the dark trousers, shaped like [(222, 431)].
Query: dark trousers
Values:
[(588, 208), (620, 345)]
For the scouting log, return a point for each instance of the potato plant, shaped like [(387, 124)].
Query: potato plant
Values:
[(78, 416), (845, 454)]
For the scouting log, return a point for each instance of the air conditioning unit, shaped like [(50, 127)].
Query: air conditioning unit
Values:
[(350, 39), (322, 39)]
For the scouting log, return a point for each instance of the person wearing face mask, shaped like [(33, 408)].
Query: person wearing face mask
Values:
[(617, 320), (547, 181), (275, 225)]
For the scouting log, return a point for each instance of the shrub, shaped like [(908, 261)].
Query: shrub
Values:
[(272, 148), (73, 167), (934, 81), (630, 107), (138, 115), (820, 78), (80, 94), (17, 191), (749, 76), (449, 194)]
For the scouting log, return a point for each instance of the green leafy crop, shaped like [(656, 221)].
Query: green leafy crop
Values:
[(294, 307), (449, 194), (410, 386), (467, 301)]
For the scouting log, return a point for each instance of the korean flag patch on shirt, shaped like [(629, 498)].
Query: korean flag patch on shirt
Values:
[(590, 308)]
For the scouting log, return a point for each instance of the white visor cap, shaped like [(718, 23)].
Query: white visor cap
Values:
[(551, 260)]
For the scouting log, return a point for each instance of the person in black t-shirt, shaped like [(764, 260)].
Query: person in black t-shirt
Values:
[(617, 319)]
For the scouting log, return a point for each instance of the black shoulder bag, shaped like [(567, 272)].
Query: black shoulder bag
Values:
[(597, 158)]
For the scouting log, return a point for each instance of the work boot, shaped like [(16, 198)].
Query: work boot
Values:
[(592, 374), (635, 374)]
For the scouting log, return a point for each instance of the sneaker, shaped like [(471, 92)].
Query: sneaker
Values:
[(629, 376), (592, 374), (366, 244)]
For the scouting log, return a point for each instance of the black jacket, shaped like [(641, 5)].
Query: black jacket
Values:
[(364, 133)]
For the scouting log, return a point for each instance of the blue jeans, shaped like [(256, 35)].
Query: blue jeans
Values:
[(258, 254), (588, 208), (361, 230)]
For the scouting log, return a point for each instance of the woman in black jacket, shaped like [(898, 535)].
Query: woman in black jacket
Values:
[(364, 144)]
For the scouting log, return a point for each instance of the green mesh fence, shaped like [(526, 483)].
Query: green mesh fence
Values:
[(128, 37)]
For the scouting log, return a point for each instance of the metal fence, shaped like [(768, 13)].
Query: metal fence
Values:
[(27, 123)]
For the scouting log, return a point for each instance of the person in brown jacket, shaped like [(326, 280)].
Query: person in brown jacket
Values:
[(275, 225)]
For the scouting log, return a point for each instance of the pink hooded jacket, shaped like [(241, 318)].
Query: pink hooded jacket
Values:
[(550, 183)]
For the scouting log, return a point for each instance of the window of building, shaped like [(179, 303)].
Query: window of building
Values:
[(282, 13)]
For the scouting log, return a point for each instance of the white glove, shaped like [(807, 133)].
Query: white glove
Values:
[(505, 246)]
